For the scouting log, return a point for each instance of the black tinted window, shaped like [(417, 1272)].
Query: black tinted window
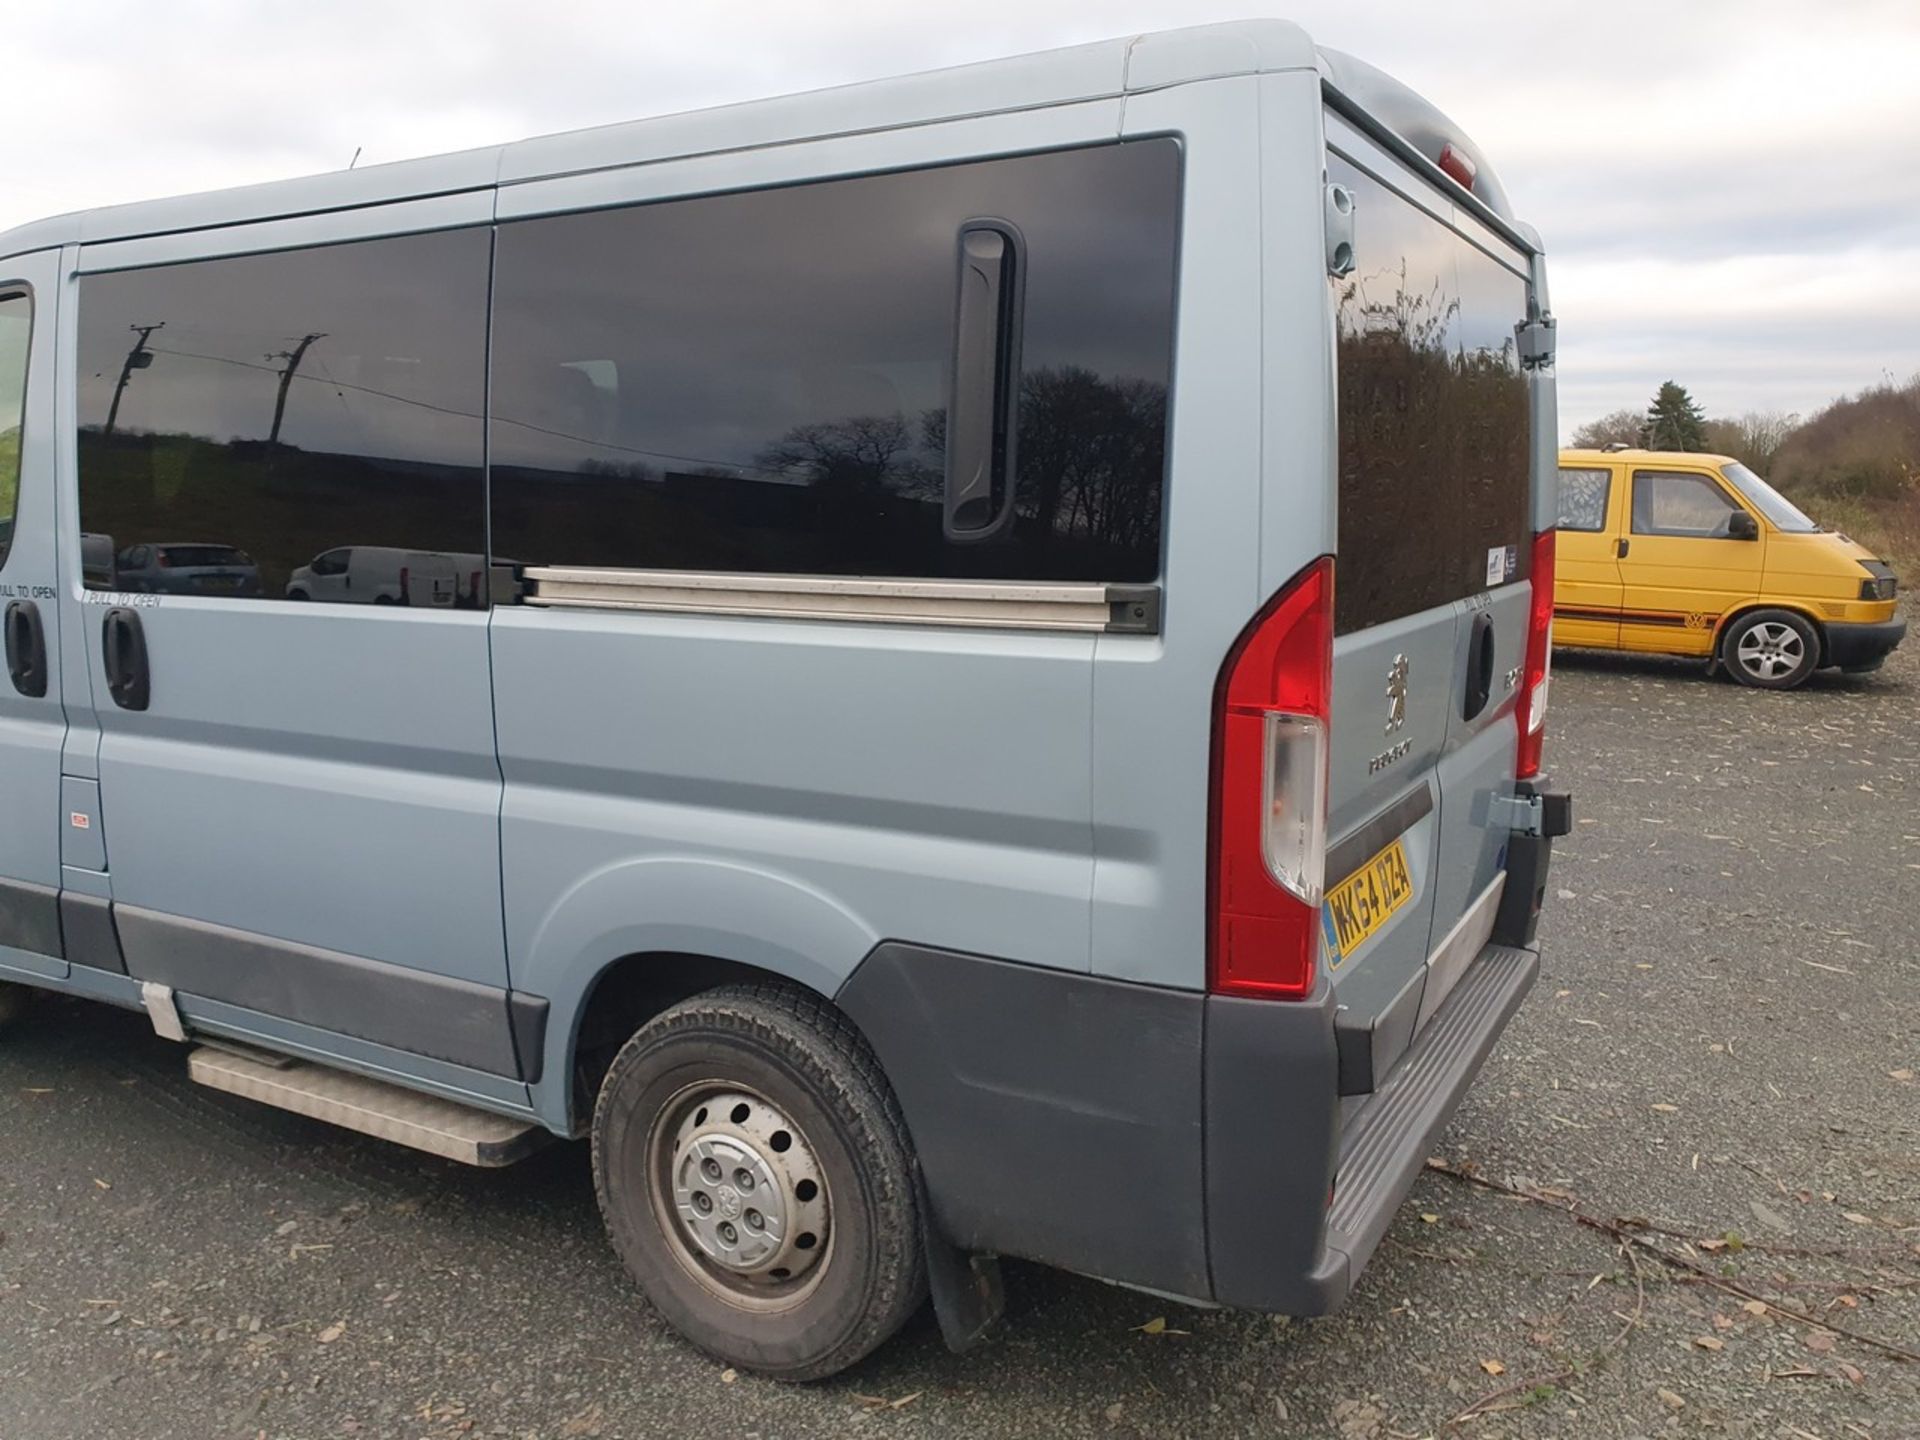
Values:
[(759, 381), (1435, 495), (16, 327), (1583, 499), (238, 417)]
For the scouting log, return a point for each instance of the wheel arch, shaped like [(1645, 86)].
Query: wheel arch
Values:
[(632, 939), (1750, 607)]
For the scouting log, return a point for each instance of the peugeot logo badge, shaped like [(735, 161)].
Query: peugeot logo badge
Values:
[(1397, 693)]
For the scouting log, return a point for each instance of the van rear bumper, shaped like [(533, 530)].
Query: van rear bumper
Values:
[(1171, 1140), (1265, 1195), (1856, 647)]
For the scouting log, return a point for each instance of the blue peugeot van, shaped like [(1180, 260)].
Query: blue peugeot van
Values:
[(956, 669)]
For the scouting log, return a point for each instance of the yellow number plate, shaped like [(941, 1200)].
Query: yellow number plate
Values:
[(1362, 903)]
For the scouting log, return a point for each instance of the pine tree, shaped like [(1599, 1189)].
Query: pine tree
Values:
[(1675, 421)]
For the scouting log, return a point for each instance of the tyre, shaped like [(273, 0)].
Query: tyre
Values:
[(1771, 649), (756, 1178), (14, 1000)]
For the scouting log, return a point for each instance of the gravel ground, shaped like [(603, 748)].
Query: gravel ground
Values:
[(1723, 1046)]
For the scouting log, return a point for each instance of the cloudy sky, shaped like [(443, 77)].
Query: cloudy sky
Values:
[(1729, 189)]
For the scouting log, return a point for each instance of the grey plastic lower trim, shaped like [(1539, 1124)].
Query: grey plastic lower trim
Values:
[(1355, 848), (433, 1015), (86, 924), (30, 917), (527, 1014), (1056, 1115), (1382, 1151)]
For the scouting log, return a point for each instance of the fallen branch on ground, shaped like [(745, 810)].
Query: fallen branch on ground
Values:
[(1626, 1236)]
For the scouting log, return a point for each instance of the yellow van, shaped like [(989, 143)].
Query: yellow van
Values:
[(1684, 554)]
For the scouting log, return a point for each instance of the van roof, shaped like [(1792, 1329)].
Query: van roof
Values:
[(1104, 70), (1635, 452)]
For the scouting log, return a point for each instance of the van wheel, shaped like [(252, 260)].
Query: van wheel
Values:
[(1772, 649), (755, 1175), (14, 1000)]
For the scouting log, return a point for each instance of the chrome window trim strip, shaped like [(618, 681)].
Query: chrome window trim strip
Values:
[(990, 604)]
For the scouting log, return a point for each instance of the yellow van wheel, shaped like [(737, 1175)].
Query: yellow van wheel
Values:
[(1771, 649)]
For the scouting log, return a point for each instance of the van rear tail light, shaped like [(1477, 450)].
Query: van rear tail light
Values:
[(1531, 711), (1269, 831)]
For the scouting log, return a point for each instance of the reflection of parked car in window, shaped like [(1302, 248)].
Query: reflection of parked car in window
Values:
[(177, 569), (96, 562), (388, 575)]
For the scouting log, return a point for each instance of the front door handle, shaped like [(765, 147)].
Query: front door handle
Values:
[(26, 648), (1620, 549), (124, 643)]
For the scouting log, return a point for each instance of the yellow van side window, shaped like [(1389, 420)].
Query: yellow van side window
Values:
[(1676, 503)]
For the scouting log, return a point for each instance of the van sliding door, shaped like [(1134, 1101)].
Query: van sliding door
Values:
[(298, 784)]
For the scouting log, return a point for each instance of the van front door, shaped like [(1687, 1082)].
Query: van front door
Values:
[(1692, 553), (301, 799), (32, 724)]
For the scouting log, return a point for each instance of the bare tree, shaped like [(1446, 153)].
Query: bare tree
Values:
[(1622, 427), (1754, 439)]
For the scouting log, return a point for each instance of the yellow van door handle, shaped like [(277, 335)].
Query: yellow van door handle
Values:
[(1620, 549)]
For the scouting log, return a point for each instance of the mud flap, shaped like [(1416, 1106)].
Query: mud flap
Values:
[(968, 1294)]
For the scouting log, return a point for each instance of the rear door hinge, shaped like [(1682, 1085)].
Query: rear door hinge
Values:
[(1534, 341), (1548, 814)]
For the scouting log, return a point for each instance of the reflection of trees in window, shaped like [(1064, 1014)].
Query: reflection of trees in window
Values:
[(860, 457), (1092, 456), (1433, 452)]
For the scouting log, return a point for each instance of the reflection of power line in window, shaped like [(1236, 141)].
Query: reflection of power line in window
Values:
[(659, 455)]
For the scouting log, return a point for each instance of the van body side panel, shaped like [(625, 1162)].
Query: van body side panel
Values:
[(32, 726), (787, 791), (906, 782), (1153, 696)]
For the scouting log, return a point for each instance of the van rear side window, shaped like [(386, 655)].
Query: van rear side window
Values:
[(1583, 498), (16, 328), (759, 381), (1434, 466)]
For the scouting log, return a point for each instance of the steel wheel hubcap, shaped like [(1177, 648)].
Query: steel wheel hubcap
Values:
[(746, 1198), (1770, 650)]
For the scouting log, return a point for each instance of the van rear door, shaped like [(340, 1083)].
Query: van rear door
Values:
[(1435, 540)]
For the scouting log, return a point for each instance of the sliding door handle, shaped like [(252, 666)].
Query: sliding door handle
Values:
[(123, 643), (26, 648)]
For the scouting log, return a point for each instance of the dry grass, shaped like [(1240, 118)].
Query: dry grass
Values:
[(1856, 466)]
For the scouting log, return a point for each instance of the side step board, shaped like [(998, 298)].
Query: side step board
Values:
[(372, 1107)]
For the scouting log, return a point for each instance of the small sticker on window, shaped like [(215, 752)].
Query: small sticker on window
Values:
[(1496, 564)]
